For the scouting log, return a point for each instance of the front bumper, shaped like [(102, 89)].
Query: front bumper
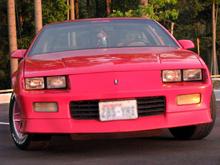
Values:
[(62, 122), (92, 126)]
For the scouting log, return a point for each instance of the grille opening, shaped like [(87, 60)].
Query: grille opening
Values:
[(146, 106)]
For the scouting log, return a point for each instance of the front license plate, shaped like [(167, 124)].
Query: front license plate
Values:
[(118, 110)]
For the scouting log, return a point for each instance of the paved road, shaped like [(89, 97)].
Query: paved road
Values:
[(158, 150)]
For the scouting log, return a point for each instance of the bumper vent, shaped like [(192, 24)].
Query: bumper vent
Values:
[(90, 109)]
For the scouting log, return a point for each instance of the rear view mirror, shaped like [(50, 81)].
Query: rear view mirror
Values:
[(186, 44), (18, 53)]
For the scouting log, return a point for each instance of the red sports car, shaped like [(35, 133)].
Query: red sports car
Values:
[(111, 75)]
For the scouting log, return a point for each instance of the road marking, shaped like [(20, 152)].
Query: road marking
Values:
[(4, 123), (5, 98), (217, 95)]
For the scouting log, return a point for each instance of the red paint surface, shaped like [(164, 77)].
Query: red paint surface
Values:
[(91, 75), (186, 44)]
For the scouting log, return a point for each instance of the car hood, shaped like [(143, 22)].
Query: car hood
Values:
[(108, 60)]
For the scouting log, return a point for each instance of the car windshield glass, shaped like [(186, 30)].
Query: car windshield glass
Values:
[(101, 34)]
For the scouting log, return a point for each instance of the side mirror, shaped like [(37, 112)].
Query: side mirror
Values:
[(18, 53), (186, 44)]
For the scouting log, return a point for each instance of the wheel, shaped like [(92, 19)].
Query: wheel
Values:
[(197, 131), (24, 141)]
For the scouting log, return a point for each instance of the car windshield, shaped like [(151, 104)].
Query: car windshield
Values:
[(101, 34)]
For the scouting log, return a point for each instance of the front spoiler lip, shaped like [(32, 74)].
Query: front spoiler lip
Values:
[(70, 125)]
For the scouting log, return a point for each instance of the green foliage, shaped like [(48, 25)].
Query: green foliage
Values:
[(87, 8), (124, 5), (54, 10), (4, 59), (195, 21), (92, 8), (156, 9), (192, 19), (25, 22), (197, 24)]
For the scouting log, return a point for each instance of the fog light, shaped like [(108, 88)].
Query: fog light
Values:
[(45, 107), (188, 99)]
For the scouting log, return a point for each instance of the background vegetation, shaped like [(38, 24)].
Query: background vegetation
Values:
[(192, 18)]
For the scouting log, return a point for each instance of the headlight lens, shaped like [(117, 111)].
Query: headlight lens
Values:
[(192, 75), (171, 75), (182, 75), (56, 82), (34, 83)]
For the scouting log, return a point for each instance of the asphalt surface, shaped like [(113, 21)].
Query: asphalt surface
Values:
[(158, 150)]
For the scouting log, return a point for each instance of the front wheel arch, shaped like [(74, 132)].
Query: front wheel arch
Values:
[(30, 141), (199, 131)]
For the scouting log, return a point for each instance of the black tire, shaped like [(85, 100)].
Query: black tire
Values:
[(196, 132), (21, 140)]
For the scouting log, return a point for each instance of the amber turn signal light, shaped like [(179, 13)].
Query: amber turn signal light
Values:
[(45, 107), (188, 99)]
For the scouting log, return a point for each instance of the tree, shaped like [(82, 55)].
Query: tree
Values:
[(12, 34), (214, 23), (72, 9), (54, 11), (4, 47), (87, 8), (160, 10), (108, 7), (144, 2), (198, 25), (38, 15), (77, 8), (194, 22)]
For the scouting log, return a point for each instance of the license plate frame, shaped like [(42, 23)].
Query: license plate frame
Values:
[(118, 110)]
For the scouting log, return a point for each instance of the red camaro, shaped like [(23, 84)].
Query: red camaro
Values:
[(109, 76)]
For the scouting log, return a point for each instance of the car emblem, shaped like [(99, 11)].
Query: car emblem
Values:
[(116, 82)]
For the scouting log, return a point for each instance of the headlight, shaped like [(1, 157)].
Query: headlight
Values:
[(192, 75), (171, 75), (53, 82), (56, 82), (34, 83), (182, 75)]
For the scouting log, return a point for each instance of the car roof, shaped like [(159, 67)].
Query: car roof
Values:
[(98, 20)]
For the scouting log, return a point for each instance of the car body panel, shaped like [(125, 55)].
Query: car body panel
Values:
[(91, 75), (91, 126), (107, 60)]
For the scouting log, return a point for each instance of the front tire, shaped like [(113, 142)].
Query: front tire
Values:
[(24, 141), (196, 132)]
